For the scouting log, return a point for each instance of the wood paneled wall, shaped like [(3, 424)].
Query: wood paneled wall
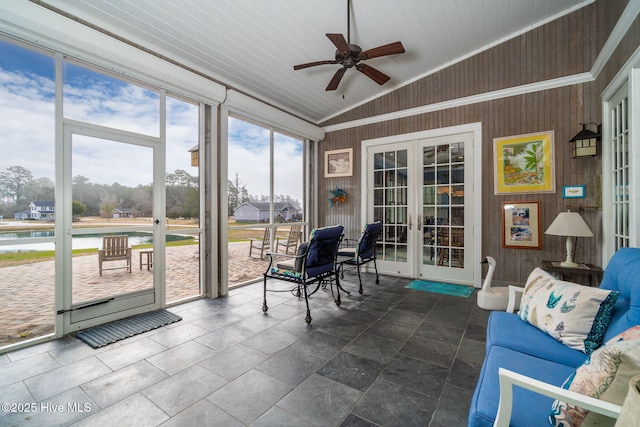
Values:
[(564, 47)]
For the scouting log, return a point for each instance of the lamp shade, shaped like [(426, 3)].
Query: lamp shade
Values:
[(569, 224)]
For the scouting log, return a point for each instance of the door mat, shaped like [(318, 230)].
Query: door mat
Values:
[(441, 288), (125, 328)]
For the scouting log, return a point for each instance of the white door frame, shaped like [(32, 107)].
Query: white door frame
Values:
[(137, 302), (628, 74), (476, 184)]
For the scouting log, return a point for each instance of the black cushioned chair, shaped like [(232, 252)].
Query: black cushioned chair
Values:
[(314, 262), (363, 252)]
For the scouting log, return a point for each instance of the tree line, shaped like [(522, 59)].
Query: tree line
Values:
[(18, 188)]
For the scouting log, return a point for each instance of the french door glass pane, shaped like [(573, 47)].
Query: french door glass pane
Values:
[(620, 169), (391, 204), (443, 205)]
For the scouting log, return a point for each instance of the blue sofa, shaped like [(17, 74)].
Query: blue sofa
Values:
[(517, 346)]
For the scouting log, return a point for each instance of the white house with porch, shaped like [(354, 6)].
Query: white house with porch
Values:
[(42, 211)]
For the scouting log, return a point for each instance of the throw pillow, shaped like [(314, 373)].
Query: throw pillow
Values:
[(604, 375), (574, 314)]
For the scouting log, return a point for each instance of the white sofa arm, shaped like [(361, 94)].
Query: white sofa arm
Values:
[(515, 295), (509, 378)]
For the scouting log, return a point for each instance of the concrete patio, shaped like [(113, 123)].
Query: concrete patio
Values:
[(27, 291)]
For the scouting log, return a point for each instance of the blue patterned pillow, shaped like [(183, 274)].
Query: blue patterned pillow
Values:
[(575, 315), (605, 375)]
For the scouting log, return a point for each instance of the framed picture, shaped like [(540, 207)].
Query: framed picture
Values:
[(573, 192), (338, 163), (521, 225), (524, 164)]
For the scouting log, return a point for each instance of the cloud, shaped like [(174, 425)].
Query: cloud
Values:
[(27, 119), (249, 147)]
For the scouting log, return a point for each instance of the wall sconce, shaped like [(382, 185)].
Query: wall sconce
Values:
[(585, 143)]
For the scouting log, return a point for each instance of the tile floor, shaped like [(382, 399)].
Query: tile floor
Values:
[(391, 357)]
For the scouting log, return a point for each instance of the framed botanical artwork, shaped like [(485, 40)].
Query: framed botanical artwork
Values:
[(573, 191), (338, 163), (524, 164), (521, 225)]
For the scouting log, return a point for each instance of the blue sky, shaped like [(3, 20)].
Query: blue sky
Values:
[(249, 158), (27, 91), (27, 81)]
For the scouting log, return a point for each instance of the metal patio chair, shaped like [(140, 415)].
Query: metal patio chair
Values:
[(314, 263), (362, 252)]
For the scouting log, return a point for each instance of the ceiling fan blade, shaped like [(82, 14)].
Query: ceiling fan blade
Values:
[(335, 80), (387, 49), (340, 43), (375, 75), (313, 64)]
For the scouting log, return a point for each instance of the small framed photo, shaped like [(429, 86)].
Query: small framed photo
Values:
[(521, 225), (338, 163), (573, 192)]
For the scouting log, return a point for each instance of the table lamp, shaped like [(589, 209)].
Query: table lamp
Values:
[(572, 225)]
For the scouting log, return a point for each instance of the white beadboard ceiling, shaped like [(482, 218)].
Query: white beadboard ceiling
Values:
[(252, 45)]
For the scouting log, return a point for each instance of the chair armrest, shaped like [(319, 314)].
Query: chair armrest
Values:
[(349, 243), (509, 378), (280, 254), (515, 295)]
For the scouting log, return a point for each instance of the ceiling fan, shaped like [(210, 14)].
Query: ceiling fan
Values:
[(350, 55)]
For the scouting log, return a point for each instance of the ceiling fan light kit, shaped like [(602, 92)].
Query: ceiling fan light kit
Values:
[(350, 55)]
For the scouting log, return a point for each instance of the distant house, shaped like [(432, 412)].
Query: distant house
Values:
[(120, 213), (41, 211), (259, 212), (123, 213)]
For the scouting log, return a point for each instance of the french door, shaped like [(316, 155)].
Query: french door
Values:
[(419, 189), (96, 292)]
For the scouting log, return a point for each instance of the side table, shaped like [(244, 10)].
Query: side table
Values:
[(593, 271), (149, 259)]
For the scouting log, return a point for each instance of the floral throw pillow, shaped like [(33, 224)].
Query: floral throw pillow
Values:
[(604, 375), (574, 314)]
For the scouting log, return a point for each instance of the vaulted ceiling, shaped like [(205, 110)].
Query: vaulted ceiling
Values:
[(252, 45)]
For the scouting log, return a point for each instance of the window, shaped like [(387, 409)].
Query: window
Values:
[(265, 195), (27, 194)]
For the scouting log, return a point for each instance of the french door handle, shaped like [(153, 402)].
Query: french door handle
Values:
[(409, 221), (419, 224)]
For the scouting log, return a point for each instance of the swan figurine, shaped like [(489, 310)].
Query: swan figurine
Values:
[(492, 298)]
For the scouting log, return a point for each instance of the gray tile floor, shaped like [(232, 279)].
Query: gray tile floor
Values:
[(391, 357)]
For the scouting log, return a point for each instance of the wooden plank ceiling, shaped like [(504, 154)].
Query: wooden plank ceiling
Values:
[(252, 45)]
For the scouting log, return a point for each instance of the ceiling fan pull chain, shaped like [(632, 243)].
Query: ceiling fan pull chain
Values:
[(349, 21)]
